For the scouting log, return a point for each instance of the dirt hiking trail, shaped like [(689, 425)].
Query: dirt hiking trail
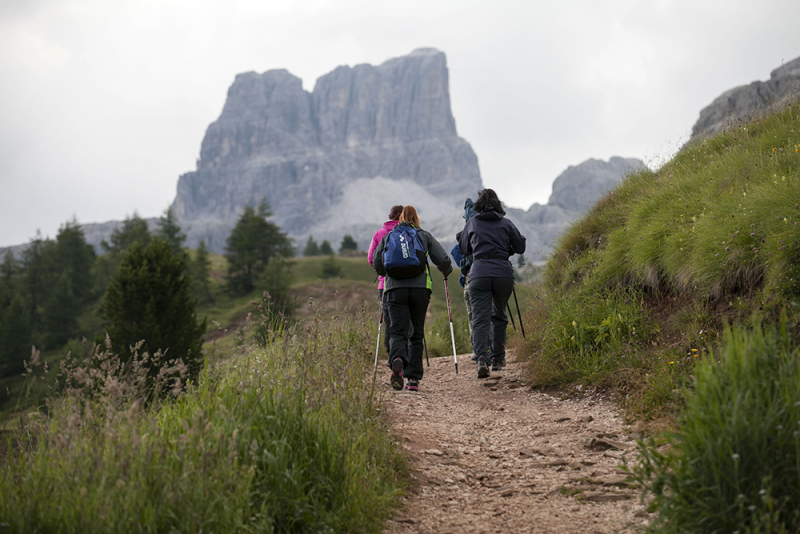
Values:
[(492, 455)]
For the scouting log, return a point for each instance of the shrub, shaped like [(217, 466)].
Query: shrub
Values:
[(734, 464), (149, 300)]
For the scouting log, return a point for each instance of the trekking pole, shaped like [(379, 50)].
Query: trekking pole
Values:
[(378, 343), (425, 343), (511, 316), (450, 315), (518, 313)]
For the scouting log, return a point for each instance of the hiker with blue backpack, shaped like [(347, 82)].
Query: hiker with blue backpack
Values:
[(388, 226), (402, 257), (490, 239)]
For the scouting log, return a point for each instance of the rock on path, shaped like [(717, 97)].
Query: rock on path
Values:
[(494, 456)]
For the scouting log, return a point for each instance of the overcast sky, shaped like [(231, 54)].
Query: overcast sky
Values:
[(104, 104)]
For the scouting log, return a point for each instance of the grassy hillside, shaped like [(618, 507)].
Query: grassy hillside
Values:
[(679, 295), (643, 284)]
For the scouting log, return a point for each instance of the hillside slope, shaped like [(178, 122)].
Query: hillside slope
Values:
[(645, 282)]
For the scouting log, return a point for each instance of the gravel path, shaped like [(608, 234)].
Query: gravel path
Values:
[(493, 455)]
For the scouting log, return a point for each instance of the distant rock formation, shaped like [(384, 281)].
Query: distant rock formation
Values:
[(575, 191), (332, 161), (746, 101)]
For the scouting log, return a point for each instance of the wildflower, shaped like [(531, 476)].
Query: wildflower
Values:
[(574, 324), (774, 149), (735, 457), (752, 234), (672, 363)]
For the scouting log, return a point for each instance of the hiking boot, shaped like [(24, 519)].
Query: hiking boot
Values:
[(412, 385), (498, 365), (483, 369), (397, 374)]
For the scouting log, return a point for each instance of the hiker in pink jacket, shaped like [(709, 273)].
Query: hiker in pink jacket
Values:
[(394, 215)]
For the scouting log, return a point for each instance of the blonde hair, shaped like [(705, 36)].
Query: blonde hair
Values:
[(409, 215)]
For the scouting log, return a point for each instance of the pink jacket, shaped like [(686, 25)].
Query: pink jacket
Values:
[(376, 239)]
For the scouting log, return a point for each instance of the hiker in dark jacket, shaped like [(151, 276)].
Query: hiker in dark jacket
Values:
[(388, 226), (407, 302), (490, 238)]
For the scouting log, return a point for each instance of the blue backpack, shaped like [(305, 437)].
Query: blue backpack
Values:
[(404, 254)]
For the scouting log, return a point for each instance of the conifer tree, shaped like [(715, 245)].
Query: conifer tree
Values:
[(38, 268), (250, 246), (60, 312), (149, 299), (348, 243), (75, 258), (312, 248), (199, 269), (15, 338), (171, 231), (133, 230), (325, 248)]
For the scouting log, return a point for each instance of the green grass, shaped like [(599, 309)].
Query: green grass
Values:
[(653, 272), (734, 463), (281, 438)]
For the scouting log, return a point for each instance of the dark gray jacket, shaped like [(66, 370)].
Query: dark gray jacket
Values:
[(490, 238), (433, 250)]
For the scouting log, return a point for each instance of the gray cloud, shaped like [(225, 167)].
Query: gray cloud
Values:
[(104, 104)]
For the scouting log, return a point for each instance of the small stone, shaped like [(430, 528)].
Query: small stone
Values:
[(599, 496), (406, 520), (586, 419), (507, 492), (449, 481), (562, 419), (434, 452)]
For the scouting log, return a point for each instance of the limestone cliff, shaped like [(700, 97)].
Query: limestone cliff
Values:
[(334, 160)]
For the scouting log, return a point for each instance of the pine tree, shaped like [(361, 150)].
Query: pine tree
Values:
[(252, 243), (171, 231), (133, 230), (59, 321), (15, 338), (199, 268), (312, 248), (38, 266), (75, 258), (325, 248), (149, 299), (348, 243)]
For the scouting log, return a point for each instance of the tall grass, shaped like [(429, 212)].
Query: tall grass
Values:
[(643, 284), (734, 463), (279, 438)]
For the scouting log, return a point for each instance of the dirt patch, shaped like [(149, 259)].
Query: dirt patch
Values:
[(333, 299), (495, 456)]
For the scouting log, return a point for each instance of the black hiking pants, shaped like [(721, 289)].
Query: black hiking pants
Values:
[(407, 307), (489, 298), (387, 327)]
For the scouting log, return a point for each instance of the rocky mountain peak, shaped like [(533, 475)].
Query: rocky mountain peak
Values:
[(303, 152), (746, 101)]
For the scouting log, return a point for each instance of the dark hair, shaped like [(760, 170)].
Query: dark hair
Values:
[(487, 197), (395, 212)]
